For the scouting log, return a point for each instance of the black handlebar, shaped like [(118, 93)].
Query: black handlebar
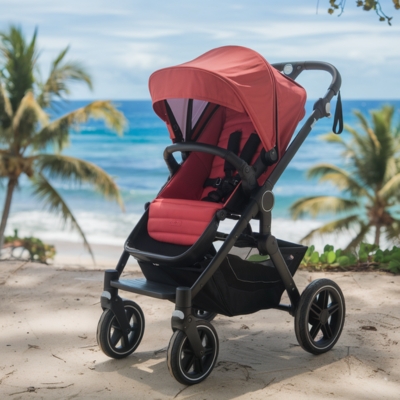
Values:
[(246, 173), (294, 69)]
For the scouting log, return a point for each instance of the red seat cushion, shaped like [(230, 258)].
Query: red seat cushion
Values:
[(180, 221)]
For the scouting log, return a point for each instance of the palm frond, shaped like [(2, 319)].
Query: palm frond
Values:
[(79, 171), (358, 139), (392, 232), (337, 226), (55, 204), (27, 116), (336, 139), (321, 204), (57, 132), (342, 179), (6, 135), (371, 134), (364, 228), (61, 74), (20, 60), (5, 108), (391, 188)]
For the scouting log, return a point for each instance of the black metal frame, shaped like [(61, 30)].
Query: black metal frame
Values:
[(260, 206)]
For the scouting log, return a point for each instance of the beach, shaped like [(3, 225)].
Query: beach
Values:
[(49, 315)]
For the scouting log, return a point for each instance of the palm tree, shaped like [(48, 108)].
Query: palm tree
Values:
[(371, 181), (31, 144)]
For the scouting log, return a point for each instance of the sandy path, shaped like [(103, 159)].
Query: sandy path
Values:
[(48, 319)]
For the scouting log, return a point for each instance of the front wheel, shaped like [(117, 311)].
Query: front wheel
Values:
[(203, 314), (319, 317), (109, 334), (183, 364)]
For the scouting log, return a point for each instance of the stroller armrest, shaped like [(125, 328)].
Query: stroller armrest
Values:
[(246, 172)]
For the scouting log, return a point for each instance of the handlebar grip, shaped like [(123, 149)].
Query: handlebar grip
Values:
[(294, 69)]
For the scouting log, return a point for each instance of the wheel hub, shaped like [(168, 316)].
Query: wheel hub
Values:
[(324, 316)]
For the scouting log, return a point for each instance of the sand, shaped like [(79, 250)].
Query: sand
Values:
[(49, 315)]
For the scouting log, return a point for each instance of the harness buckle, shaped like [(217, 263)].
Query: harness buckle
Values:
[(218, 182)]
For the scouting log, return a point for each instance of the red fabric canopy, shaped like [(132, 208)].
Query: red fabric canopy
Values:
[(238, 78)]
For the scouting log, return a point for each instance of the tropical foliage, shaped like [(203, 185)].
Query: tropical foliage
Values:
[(34, 247), (366, 5), (367, 257), (371, 181), (30, 143)]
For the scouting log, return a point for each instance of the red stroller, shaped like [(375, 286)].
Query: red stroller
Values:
[(231, 115)]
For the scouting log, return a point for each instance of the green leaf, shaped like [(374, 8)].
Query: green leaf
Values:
[(352, 259), (328, 248), (368, 248), (314, 259), (363, 256), (309, 251), (331, 257), (394, 266), (378, 257), (343, 261), (323, 258), (396, 255)]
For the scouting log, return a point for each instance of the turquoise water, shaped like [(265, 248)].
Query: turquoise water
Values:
[(136, 162)]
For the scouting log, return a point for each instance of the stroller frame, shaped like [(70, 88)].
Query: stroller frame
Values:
[(260, 205)]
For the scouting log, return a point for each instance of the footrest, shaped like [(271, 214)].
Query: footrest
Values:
[(148, 288)]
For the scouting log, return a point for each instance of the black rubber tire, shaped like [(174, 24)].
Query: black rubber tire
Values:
[(320, 316), (203, 314), (109, 337), (183, 365)]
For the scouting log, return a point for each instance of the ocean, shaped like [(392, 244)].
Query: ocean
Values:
[(136, 162)]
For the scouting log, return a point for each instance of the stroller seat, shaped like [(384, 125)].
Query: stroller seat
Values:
[(181, 220)]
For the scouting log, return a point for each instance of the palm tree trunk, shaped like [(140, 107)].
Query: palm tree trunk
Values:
[(377, 234), (6, 210)]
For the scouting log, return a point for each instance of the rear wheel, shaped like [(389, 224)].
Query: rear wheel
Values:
[(320, 316), (183, 364), (109, 334)]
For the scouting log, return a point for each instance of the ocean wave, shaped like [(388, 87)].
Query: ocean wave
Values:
[(114, 229)]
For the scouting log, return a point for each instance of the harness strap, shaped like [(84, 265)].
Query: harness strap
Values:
[(250, 148), (234, 147), (225, 186)]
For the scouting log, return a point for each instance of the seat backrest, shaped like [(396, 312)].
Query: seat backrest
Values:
[(234, 123), (189, 181)]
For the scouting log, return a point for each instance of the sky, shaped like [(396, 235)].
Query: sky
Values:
[(121, 42)]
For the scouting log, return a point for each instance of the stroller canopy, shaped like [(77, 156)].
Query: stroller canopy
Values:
[(234, 77)]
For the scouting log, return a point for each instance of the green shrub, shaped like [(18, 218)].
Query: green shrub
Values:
[(368, 255), (38, 251)]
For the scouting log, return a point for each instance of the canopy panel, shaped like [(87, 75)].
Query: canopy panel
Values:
[(237, 78)]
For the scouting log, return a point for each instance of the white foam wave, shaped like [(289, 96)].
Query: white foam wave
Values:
[(99, 228), (113, 229)]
